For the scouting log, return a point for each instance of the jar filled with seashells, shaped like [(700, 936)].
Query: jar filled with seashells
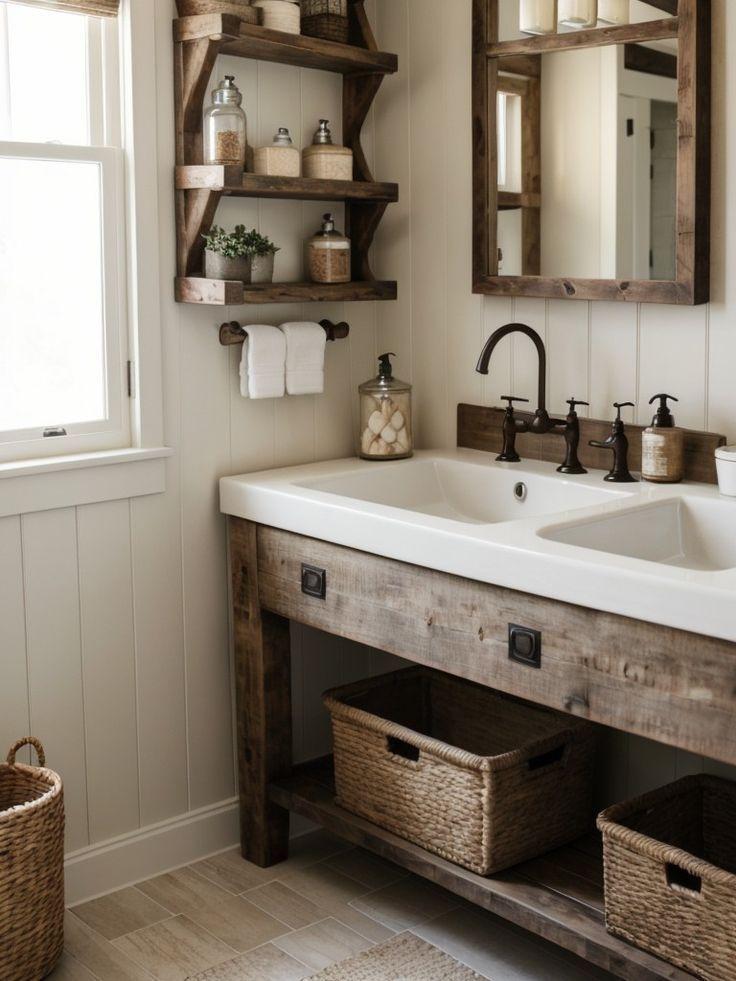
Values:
[(385, 415)]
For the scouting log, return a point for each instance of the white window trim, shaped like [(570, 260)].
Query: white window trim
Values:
[(79, 478)]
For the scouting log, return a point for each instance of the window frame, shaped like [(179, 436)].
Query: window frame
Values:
[(106, 125)]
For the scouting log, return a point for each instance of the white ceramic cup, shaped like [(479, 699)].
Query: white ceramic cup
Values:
[(726, 466)]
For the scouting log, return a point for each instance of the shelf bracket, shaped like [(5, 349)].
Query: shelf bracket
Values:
[(199, 208), (362, 220)]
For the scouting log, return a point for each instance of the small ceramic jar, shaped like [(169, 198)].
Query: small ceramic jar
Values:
[(325, 160), (726, 466), (280, 15), (280, 159)]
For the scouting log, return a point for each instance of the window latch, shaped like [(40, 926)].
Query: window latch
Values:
[(54, 431)]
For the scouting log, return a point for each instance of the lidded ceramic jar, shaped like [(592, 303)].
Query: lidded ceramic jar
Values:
[(280, 15), (329, 254), (385, 415), (225, 126), (324, 159), (280, 159)]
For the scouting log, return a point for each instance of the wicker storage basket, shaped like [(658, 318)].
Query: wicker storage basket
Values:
[(670, 874), (327, 19), (479, 778), (31, 868)]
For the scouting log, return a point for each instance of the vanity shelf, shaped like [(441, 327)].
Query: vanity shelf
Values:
[(199, 189), (230, 293), (558, 896)]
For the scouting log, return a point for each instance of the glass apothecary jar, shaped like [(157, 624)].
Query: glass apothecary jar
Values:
[(578, 13), (329, 254), (538, 16), (385, 415), (614, 12), (225, 126)]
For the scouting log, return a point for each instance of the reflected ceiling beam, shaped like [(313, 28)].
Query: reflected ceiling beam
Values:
[(650, 61), (669, 6)]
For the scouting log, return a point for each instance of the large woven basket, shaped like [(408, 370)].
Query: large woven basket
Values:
[(31, 868), (670, 874), (479, 778)]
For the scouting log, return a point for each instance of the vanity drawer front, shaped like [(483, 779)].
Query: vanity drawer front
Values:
[(668, 685)]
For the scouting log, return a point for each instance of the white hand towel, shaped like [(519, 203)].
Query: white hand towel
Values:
[(305, 358), (263, 363)]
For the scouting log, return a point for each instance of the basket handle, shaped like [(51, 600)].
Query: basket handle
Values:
[(399, 747), (683, 881), (28, 741), (555, 755)]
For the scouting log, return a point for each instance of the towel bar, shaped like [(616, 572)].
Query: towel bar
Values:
[(234, 333)]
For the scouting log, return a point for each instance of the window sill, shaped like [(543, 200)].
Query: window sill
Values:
[(84, 478)]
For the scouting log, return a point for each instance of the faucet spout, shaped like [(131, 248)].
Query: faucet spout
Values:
[(493, 341)]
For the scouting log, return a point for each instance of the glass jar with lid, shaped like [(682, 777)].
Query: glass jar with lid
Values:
[(578, 13), (385, 415), (225, 126), (538, 16), (329, 254)]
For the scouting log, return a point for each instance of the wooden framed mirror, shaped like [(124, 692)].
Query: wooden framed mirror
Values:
[(591, 153)]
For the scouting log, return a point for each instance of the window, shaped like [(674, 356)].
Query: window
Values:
[(63, 333)]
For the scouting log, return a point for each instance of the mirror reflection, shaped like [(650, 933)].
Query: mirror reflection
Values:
[(587, 155)]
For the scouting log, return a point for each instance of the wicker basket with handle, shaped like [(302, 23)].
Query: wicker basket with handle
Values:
[(482, 779), (31, 867), (670, 874)]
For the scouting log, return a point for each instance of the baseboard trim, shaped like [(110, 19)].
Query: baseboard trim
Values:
[(119, 862)]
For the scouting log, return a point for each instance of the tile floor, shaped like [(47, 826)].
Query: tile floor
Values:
[(325, 904)]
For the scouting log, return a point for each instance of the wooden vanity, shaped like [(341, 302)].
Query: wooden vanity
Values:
[(670, 685)]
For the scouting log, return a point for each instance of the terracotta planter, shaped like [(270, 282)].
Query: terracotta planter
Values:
[(262, 268), (218, 266)]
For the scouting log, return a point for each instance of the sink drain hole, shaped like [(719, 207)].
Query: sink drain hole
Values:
[(520, 491)]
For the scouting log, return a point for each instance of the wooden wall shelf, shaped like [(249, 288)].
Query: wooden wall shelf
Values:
[(231, 293), (199, 188), (229, 181), (558, 896)]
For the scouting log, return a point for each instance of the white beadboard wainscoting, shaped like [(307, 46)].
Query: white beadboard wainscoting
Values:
[(114, 644)]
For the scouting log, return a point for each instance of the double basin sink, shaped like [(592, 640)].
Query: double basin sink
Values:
[(661, 553)]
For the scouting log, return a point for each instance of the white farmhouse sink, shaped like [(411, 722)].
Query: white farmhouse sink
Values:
[(689, 532), (472, 492), (657, 553)]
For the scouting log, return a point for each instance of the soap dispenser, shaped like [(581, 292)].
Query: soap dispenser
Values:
[(662, 446), (385, 415)]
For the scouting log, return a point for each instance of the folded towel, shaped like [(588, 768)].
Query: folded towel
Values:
[(262, 365), (305, 358)]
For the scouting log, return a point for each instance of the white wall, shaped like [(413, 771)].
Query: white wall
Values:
[(113, 617)]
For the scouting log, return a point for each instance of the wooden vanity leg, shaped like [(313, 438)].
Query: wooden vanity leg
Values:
[(263, 703)]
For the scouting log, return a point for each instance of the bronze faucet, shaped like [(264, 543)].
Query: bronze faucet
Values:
[(542, 422), (618, 442)]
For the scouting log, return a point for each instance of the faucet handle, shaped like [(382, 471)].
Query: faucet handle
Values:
[(511, 399), (622, 405), (574, 403)]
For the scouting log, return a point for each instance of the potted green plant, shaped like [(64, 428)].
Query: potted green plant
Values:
[(262, 252), (227, 255)]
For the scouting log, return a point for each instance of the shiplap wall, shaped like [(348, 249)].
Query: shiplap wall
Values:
[(113, 617), (601, 352), (114, 642)]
